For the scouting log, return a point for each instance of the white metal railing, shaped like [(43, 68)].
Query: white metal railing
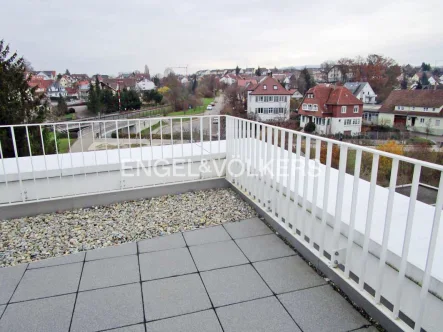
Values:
[(385, 245), (326, 193), (47, 161)]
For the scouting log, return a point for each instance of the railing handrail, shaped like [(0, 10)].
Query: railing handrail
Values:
[(354, 146)]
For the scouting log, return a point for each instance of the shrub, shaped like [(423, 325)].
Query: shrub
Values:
[(310, 127)]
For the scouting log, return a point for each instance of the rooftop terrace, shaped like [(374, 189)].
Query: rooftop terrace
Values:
[(239, 276), (334, 202)]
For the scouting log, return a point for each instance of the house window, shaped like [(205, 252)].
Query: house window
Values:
[(355, 109), (425, 109), (323, 121), (275, 87), (437, 122), (343, 109), (305, 107), (309, 107), (422, 120), (315, 107), (265, 87), (276, 98)]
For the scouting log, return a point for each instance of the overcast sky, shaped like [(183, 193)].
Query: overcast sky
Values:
[(91, 36)]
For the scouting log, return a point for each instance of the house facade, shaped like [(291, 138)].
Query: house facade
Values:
[(415, 110), (333, 109), (362, 91), (45, 75), (56, 90), (269, 100), (145, 85)]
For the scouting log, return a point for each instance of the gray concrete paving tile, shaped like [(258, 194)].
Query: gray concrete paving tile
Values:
[(263, 315), (259, 248), (48, 281), (132, 328), (288, 274), (114, 251), (162, 243), (247, 228), (203, 321), (321, 309), (166, 263), (234, 284), (9, 279), (110, 272), (67, 259), (51, 314), (206, 235), (174, 296), (217, 255), (108, 308)]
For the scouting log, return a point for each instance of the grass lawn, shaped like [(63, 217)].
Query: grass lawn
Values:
[(198, 110), (145, 132), (63, 144)]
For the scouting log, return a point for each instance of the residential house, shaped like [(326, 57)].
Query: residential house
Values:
[(65, 81), (145, 85), (56, 90), (335, 75), (246, 82), (362, 91), (72, 92), (333, 109), (415, 110), (295, 94), (316, 74), (79, 77), (269, 100), (249, 71), (45, 75), (230, 79), (83, 89), (40, 84)]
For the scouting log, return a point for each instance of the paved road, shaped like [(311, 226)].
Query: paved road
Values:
[(87, 139)]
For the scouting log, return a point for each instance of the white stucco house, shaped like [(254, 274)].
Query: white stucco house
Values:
[(229, 79), (362, 91), (269, 100), (145, 85), (415, 110), (56, 90)]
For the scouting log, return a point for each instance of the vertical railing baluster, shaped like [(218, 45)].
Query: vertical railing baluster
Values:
[(304, 213), (430, 256), (226, 139), (44, 158), (354, 202), (289, 181), (268, 177), (386, 230), (407, 239), (4, 172), (192, 140), (172, 140), (32, 162), (150, 139), (161, 137), (181, 137), (339, 197), (140, 138), (274, 173), (297, 184), (315, 193), (324, 217), (83, 152), (263, 166), (370, 211)]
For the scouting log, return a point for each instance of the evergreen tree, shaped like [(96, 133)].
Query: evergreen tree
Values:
[(62, 107), (19, 104), (425, 66), (67, 72), (404, 82), (258, 71), (93, 101), (237, 70), (194, 84), (424, 79)]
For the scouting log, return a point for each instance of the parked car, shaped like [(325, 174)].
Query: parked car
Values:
[(209, 107)]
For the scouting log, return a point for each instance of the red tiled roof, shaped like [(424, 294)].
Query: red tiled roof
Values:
[(414, 98), (270, 82), (40, 84), (326, 94), (243, 82), (71, 91), (342, 96)]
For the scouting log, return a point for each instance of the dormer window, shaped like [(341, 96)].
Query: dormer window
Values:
[(275, 87), (265, 87)]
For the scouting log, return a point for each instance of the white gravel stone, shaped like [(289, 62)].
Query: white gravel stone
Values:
[(34, 238)]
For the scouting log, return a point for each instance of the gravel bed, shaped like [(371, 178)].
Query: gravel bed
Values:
[(29, 239)]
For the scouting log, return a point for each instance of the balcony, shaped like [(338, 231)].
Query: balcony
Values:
[(335, 203)]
